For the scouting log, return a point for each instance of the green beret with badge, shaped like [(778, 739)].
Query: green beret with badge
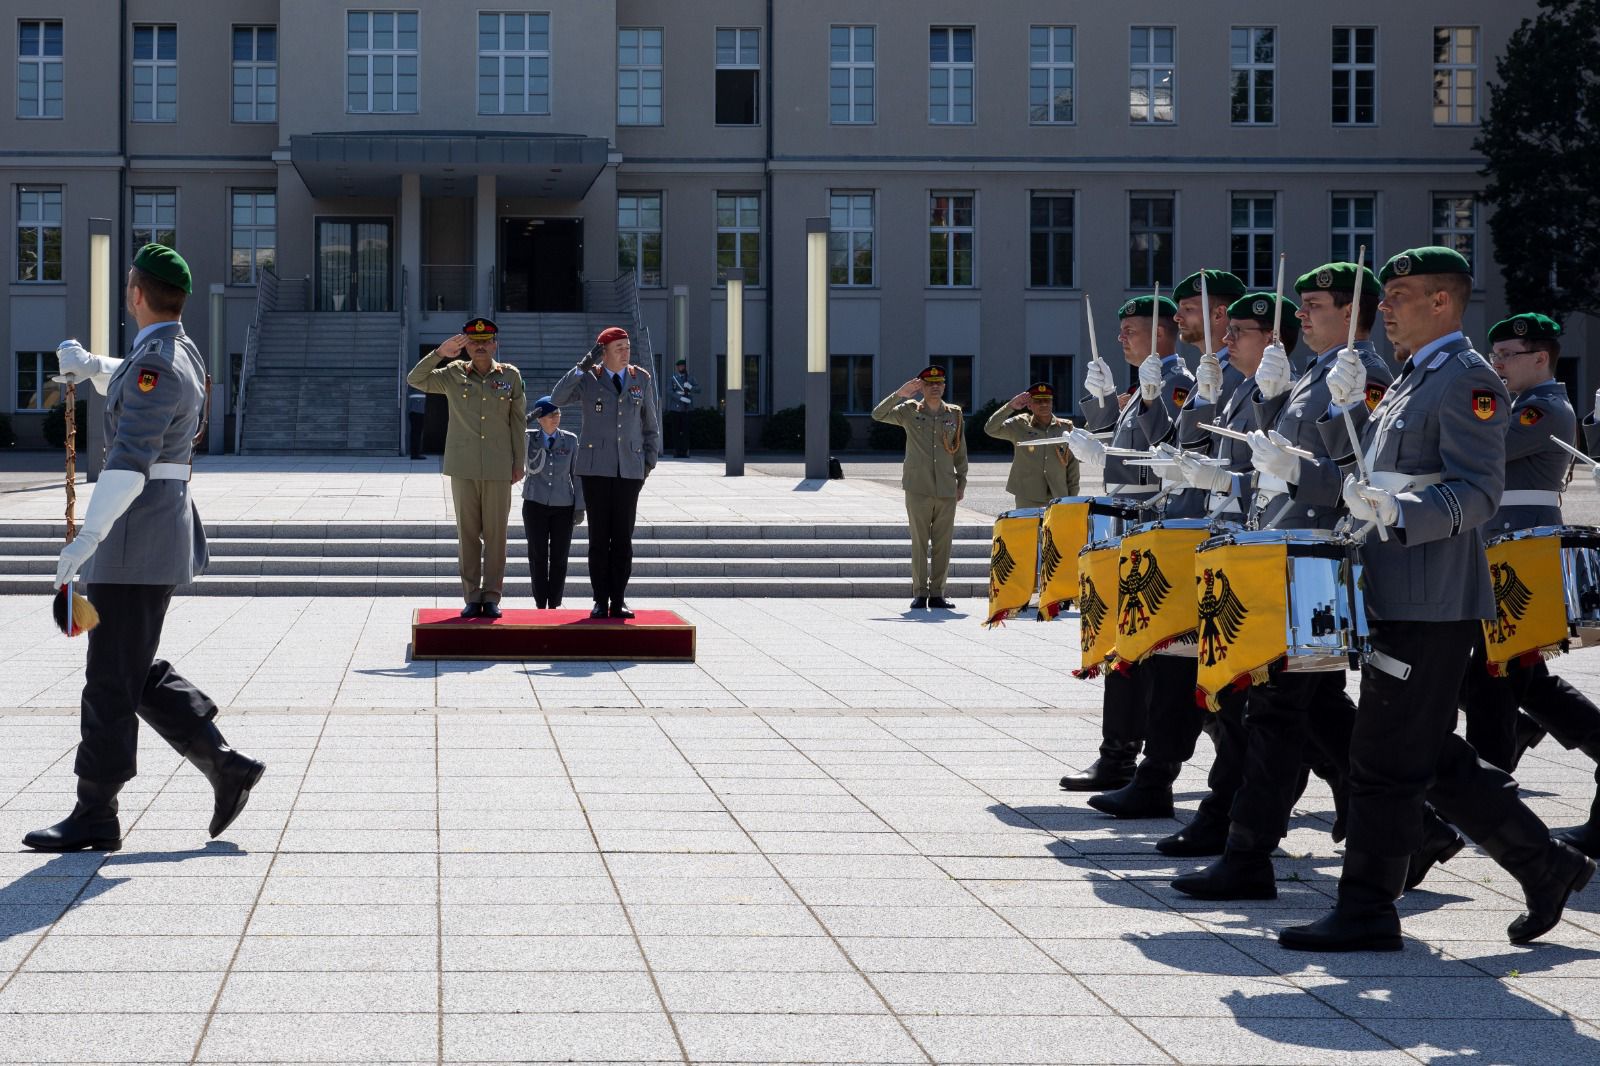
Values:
[(1261, 308), (1531, 326), (1220, 285), (164, 264), (1340, 277), (1429, 260), (1141, 306)]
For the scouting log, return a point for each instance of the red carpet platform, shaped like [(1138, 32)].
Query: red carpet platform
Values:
[(650, 636)]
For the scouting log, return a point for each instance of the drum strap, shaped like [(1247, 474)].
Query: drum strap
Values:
[(1132, 490), (1530, 498), (1388, 664)]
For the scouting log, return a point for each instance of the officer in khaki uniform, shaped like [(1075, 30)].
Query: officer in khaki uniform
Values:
[(1038, 475), (934, 477), (485, 450)]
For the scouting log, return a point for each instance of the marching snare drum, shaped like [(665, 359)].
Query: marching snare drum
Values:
[(1156, 605), (1580, 574)]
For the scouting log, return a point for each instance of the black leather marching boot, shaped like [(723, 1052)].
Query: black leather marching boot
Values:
[(92, 825), (1364, 917), (232, 774), (1113, 769), (1244, 871), (1529, 734), (1440, 843), (1586, 837), (1206, 834), (1548, 870), (1148, 795)]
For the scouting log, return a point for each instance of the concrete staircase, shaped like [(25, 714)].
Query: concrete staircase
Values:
[(545, 346), (419, 559), (324, 383)]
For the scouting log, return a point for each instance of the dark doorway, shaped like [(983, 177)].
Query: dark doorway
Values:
[(436, 420), (541, 264), (355, 264)]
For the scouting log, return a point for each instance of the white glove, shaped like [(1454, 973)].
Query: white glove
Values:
[(1369, 504), (80, 365), (1208, 379), (1168, 466), (1269, 453), (113, 494), (1596, 403), (1347, 381), (1089, 451), (1210, 477), (1097, 380), (1150, 378), (1273, 375)]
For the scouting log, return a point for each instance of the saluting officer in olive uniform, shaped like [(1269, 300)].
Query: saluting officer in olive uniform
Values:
[(140, 538), (485, 450), (934, 477), (1435, 447), (1038, 475)]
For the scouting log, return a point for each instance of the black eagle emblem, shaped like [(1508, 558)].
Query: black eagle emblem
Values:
[(1092, 611), (1001, 567), (1222, 613), (1511, 599), (1141, 593), (1049, 557)]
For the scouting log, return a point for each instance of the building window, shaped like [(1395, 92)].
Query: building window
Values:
[(1051, 65), (39, 233), (1455, 225), (1253, 52), (850, 238), (40, 69), (739, 235), (1055, 371), (1150, 240), (850, 384), (960, 382), (951, 67), (155, 217), (155, 73), (1253, 232), (1050, 249), (1355, 76), (513, 63), (756, 400), (1354, 223), (1455, 76), (36, 389), (638, 76), (1152, 74), (852, 74), (253, 235), (950, 233), (381, 62), (738, 77), (639, 237), (255, 74)]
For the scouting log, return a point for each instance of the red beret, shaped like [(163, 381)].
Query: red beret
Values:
[(611, 333), (1040, 389)]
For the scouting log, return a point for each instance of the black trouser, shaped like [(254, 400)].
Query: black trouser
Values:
[(1226, 775), (1281, 719), (680, 421), (414, 420), (1122, 715), (1491, 704), (124, 682), (612, 504), (549, 532), (1166, 686)]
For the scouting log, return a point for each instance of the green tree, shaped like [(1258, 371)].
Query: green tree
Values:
[(1541, 137)]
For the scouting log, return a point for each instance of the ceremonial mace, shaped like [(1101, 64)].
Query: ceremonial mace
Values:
[(73, 614)]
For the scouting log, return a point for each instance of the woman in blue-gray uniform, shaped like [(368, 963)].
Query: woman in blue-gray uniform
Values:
[(552, 501)]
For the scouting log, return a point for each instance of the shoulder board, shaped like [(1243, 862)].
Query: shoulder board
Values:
[(1470, 358), (954, 407)]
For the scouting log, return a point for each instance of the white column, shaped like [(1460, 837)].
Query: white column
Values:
[(485, 245)]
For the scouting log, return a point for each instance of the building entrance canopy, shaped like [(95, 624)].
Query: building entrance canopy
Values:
[(552, 165)]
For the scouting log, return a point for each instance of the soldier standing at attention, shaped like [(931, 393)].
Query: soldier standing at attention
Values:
[(552, 502), (485, 450), (934, 478), (141, 537), (1038, 475), (683, 389)]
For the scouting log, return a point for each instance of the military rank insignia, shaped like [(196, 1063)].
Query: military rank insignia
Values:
[(1483, 404), (1179, 396), (1529, 416), (147, 380), (1375, 393)]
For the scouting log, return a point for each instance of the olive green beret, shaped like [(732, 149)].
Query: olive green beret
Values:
[(1430, 260), (1339, 277), (1260, 307), (1142, 306), (164, 264), (1532, 326), (1220, 285)]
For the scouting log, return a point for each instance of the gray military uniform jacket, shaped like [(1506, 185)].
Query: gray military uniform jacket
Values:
[(154, 403), (1237, 413), (548, 477), (621, 434), (1536, 469), (1197, 411), (1132, 428)]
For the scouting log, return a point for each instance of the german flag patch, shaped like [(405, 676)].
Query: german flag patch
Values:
[(1483, 404), (147, 380), (1529, 416), (1179, 396), (1375, 391)]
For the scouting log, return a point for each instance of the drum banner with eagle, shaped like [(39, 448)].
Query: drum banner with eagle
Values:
[(1013, 561), (1061, 537), (1097, 599), (1154, 606), (1242, 604), (1530, 612)]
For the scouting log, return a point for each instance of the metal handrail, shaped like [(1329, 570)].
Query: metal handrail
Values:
[(266, 300)]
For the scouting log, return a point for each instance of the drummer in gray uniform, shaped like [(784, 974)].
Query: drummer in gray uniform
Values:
[(1222, 289)]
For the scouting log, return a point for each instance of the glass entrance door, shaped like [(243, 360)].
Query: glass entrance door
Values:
[(355, 264)]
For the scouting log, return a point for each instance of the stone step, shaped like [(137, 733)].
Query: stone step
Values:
[(398, 548), (446, 530)]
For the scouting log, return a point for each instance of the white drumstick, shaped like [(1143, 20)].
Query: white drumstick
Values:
[(1277, 313), (1094, 345), (1205, 309), (1573, 450), (1224, 431), (1350, 342)]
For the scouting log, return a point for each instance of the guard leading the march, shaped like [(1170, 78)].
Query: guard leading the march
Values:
[(934, 477), (1038, 475), (141, 537)]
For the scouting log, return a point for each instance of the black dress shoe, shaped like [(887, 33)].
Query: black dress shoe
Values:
[(620, 610), (600, 611), (1203, 836), (939, 603), (489, 610), (472, 610), (540, 604), (1440, 843), (555, 605), (919, 603), (1103, 775), (92, 825)]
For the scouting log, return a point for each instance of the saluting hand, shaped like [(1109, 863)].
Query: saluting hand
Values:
[(910, 389), (1020, 401), (454, 346)]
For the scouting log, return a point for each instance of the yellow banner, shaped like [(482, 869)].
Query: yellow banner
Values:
[(1242, 602), (1530, 613), (1154, 603), (1097, 607), (1061, 537), (1013, 566)]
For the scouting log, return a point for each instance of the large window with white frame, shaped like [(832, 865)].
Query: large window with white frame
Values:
[(513, 63), (1152, 232), (38, 233), (852, 222), (155, 217), (36, 387), (738, 76), (155, 73), (1253, 57), (1253, 237), (255, 74), (1052, 217), (852, 74), (850, 384), (952, 231), (1052, 65), (1455, 75), (252, 234), (41, 68), (638, 75), (381, 57), (1153, 74), (1354, 222), (1455, 224), (1355, 76), (739, 235), (952, 70), (639, 237)]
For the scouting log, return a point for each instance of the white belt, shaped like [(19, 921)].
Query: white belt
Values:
[(1132, 490), (1530, 498), (1214, 499), (1396, 482), (168, 472), (1267, 485)]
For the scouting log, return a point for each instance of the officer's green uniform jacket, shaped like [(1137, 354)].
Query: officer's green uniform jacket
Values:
[(936, 447), (487, 439), (1038, 475)]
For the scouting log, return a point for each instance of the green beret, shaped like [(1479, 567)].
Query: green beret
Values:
[(1430, 260), (164, 264), (1142, 306), (1220, 285), (1260, 307), (1531, 327), (1339, 277)]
